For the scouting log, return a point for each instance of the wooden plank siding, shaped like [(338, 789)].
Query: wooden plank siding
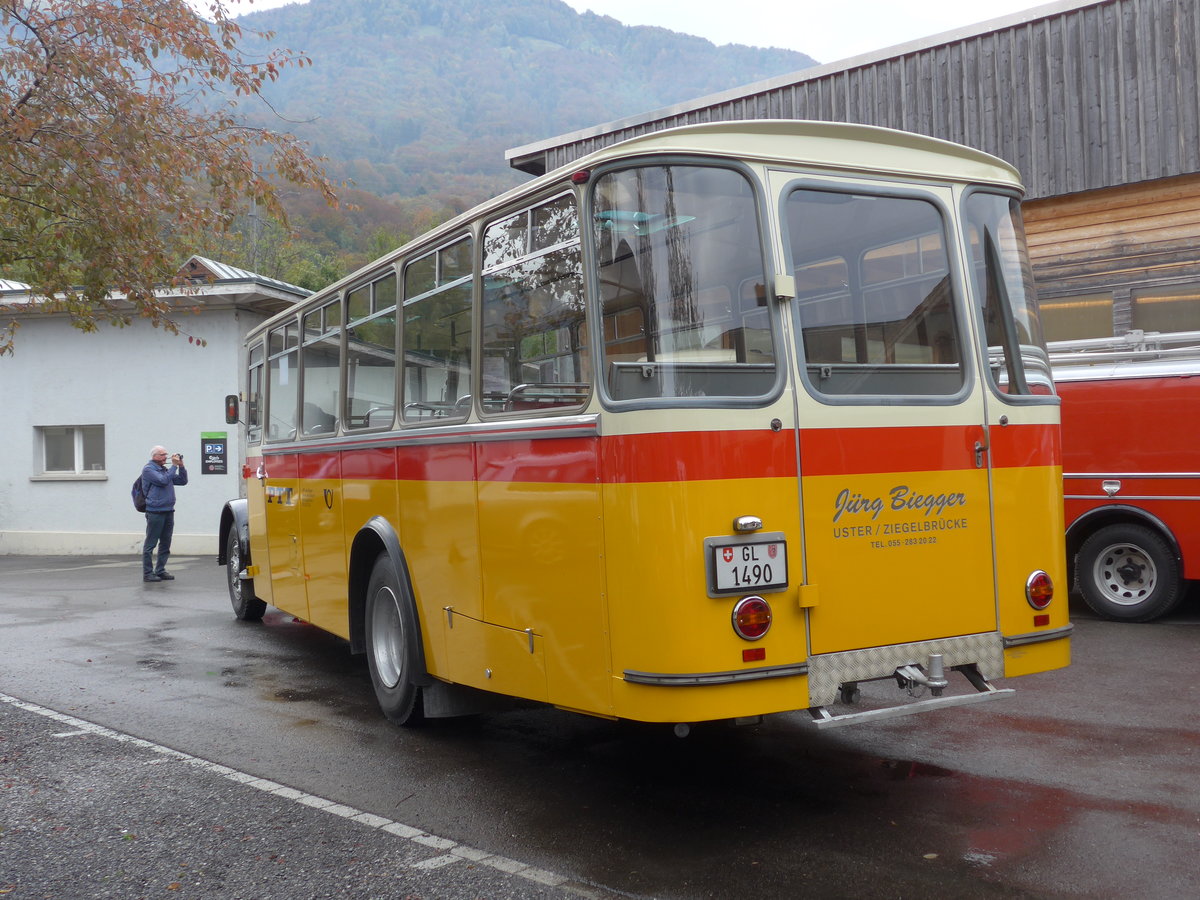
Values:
[(1118, 242), (1077, 95)]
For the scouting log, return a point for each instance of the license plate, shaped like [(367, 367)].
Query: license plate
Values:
[(744, 567)]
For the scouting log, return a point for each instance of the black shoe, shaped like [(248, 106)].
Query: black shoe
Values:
[(163, 576), (151, 578)]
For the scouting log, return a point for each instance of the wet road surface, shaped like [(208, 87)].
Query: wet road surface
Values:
[(1080, 786)]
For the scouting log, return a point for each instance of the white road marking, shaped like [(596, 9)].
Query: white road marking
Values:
[(454, 852)]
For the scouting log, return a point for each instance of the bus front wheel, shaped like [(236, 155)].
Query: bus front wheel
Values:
[(246, 606), (389, 629), (1128, 573)]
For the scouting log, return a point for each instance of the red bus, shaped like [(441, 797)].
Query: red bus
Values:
[(1131, 478)]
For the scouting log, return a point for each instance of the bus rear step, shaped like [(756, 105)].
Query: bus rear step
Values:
[(910, 678)]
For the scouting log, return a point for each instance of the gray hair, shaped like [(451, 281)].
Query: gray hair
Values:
[(156, 448)]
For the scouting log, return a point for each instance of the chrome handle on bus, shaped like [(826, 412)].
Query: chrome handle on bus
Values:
[(261, 473), (980, 449)]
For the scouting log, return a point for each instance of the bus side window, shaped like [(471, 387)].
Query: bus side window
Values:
[(282, 394), (371, 354), (437, 335), (535, 337), (254, 377), (320, 358)]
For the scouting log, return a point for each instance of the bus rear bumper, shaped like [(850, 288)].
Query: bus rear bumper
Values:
[(822, 717), (925, 668)]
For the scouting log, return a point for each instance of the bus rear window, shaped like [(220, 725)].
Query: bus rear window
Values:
[(873, 295), (681, 281)]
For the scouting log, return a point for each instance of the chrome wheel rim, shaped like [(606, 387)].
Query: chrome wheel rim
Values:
[(234, 570), (387, 637), (1125, 574)]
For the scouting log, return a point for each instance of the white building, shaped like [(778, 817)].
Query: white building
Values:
[(82, 411)]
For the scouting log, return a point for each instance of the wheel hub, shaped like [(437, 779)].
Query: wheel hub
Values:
[(1126, 574)]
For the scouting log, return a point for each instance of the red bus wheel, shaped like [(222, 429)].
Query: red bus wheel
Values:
[(1128, 573)]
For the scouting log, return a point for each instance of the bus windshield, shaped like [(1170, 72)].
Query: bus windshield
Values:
[(682, 284), (1018, 362)]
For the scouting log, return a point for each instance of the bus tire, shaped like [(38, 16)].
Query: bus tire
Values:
[(390, 628), (1128, 573), (246, 606)]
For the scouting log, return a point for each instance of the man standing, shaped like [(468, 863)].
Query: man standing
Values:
[(158, 484)]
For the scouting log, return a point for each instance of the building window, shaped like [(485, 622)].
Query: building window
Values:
[(1078, 317), (71, 449), (1167, 309)]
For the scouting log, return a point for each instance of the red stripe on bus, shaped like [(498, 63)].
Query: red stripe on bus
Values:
[(372, 464), (860, 451), (856, 451), (1022, 446), (681, 456), (323, 466), (554, 460), (698, 456)]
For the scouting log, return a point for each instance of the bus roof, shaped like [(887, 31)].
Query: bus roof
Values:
[(828, 145), (831, 146)]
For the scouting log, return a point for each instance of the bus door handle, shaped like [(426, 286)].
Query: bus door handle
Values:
[(980, 449), (262, 473)]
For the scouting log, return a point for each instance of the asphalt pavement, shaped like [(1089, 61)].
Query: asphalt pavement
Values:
[(88, 812)]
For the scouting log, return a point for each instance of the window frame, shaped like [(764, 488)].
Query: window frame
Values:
[(78, 473), (374, 312), (441, 284), (290, 329), (527, 209), (1028, 375), (962, 312), (596, 318)]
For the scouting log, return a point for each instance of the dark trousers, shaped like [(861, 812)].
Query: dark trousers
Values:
[(159, 528)]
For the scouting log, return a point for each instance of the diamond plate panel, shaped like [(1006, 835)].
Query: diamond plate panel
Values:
[(827, 671)]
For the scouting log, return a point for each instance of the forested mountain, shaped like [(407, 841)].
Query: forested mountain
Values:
[(412, 96), (416, 101)]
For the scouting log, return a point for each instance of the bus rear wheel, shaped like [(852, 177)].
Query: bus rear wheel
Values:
[(390, 629), (246, 606), (1128, 573)]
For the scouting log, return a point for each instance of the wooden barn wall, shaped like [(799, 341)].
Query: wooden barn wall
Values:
[(1088, 98), (1116, 241)]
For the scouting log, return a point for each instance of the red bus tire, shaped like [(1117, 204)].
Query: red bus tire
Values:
[(1127, 573), (390, 631), (246, 606)]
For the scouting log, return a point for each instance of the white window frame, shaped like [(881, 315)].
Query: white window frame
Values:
[(79, 473)]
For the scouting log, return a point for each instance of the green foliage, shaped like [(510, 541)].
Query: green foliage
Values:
[(116, 149)]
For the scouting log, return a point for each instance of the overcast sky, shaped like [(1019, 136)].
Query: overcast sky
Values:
[(827, 30)]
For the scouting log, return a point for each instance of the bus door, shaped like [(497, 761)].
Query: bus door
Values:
[(891, 417), (279, 473), (256, 495)]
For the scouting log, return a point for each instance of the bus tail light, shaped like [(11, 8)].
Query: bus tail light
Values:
[(1039, 590), (752, 618)]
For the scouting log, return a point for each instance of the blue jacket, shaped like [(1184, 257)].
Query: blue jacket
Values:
[(158, 483)]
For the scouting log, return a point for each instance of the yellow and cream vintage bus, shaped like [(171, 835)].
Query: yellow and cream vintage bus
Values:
[(722, 421)]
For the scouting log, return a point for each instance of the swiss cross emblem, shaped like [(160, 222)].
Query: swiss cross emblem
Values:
[(772, 551), (727, 554)]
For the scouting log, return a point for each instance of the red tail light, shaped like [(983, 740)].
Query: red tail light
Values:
[(752, 618), (1039, 590)]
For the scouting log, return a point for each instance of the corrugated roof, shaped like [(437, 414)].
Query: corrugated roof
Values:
[(224, 272)]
